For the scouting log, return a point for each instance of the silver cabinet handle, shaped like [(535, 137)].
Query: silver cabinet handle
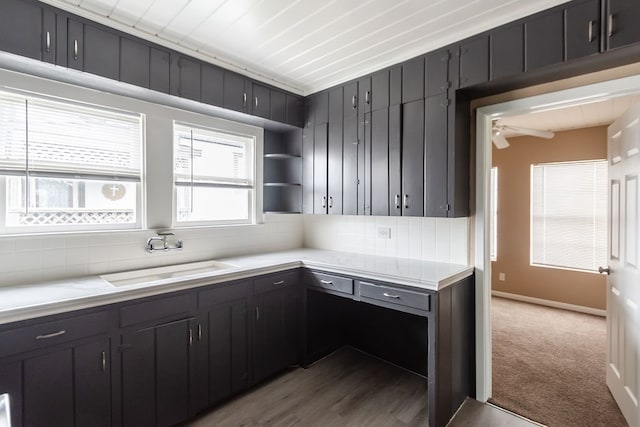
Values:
[(406, 201), (279, 282), (104, 361), (75, 50), (244, 99), (590, 31), (610, 24), (190, 337), (397, 201), (353, 102), (326, 282), (257, 313), (256, 102), (55, 334), (367, 97), (391, 296), (324, 202), (330, 202), (48, 42), (199, 332)]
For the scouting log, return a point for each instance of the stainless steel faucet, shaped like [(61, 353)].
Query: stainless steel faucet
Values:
[(162, 237)]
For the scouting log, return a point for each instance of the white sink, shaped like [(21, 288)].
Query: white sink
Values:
[(137, 277)]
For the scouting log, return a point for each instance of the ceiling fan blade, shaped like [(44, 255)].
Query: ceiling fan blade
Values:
[(531, 132), (499, 140)]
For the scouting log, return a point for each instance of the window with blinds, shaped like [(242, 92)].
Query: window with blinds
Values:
[(214, 175), (68, 166), (569, 215)]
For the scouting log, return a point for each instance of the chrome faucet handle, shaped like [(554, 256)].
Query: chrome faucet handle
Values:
[(165, 233)]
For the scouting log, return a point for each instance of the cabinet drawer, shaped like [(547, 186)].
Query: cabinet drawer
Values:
[(155, 309), (221, 293), (275, 281), (330, 282), (49, 333), (393, 295)]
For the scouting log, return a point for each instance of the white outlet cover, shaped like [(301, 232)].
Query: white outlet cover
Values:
[(384, 232), (501, 277)]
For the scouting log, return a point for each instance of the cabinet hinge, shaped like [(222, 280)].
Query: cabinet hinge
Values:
[(358, 181)]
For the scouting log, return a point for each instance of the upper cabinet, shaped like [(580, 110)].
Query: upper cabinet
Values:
[(474, 61), (506, 47), (101, 52), (582, 22), (15, 17), (622, 17), (261, 103), (544, 38), (413, 80)]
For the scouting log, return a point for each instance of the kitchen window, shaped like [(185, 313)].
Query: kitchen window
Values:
[(68, 166), (569, 215), (214, 173)]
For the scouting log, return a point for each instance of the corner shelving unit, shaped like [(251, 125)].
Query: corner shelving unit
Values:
[(282, 184)]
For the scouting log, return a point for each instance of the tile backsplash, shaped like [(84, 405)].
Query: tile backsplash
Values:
[(430, 239), (26, 259)]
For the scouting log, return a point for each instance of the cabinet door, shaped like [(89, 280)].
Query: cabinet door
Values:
[(320, 168), (159, 70), (474, 61), (350, 181), (436, 143), (379, 172), (437, 72), (364, 95), (48, 389), (235, 95), (228, 350), (507, 51), (261, 104), (75, 45), (379, 90), (544, 40), (295, 110), (278, 106), (49, 36), (413, 158), (335, 152), (413, 80), (134, 62), (138, 378), (307, 169), (395, 160), (212, 85), (198, 364), (350, 105), (395, 86), (622, 23), (92, 383), (101, 52), (189, 80), (62, 44), (20, 28), (11, 383), (582, 23)]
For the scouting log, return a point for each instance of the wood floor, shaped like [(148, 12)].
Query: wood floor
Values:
[(347, 388)]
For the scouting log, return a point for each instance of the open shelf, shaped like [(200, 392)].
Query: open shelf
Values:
[(282, 171)]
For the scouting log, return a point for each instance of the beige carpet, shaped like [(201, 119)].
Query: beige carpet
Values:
[(549, 365)]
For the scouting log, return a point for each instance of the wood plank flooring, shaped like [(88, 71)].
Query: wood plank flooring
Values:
[(347, 388)]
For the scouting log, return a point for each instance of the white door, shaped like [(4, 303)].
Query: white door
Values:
[(623, 283)]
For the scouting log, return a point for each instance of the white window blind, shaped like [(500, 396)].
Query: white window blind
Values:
[(214, 175), (569, 214)]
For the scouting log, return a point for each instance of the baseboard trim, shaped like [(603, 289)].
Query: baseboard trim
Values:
[(549, 303)]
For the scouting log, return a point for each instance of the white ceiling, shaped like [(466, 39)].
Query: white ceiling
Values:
[(576, 117), (304, 45)]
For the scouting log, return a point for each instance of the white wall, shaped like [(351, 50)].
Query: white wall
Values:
[(26, 259), (430, 239)]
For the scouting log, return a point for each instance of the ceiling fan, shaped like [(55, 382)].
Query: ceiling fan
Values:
[(501, 142)]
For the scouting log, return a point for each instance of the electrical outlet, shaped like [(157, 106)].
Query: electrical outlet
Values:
[(384, 232), (501, 277)]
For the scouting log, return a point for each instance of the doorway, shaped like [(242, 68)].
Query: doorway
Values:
[(485, 116)]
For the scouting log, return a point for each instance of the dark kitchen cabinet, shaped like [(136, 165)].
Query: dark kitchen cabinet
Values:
[(352, 191), (395, 160), (436, 147), (282, 171), (364, 95), (11, 383), (212, 85), (335, 152), (61, 44), (261, 103), (437, 72), (75, 44), (474, 61), (159, 70), (395, 85), (544, 38), (622, 17), (237, 92), (49, 36), (278, 106), (379, 90), (188, 74), (21, 28), (320, 174), (507, 51), (413, 158), (134, 62), (101, 52), (295, 110), (379, 166), (413, 80), (277, 322), (307, 157), (582, 25)]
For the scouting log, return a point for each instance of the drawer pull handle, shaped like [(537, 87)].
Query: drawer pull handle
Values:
[(75, 50), (48, 45), (104, 361), (55, 334), (326, 282), (391, 296), (279, 282)]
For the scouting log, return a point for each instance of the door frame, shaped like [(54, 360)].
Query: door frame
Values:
[(484, 115)]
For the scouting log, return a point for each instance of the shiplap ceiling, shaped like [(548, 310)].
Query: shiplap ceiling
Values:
[(304, 45), (576, 117)]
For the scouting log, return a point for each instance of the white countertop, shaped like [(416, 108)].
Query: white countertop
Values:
[(41, 299)]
